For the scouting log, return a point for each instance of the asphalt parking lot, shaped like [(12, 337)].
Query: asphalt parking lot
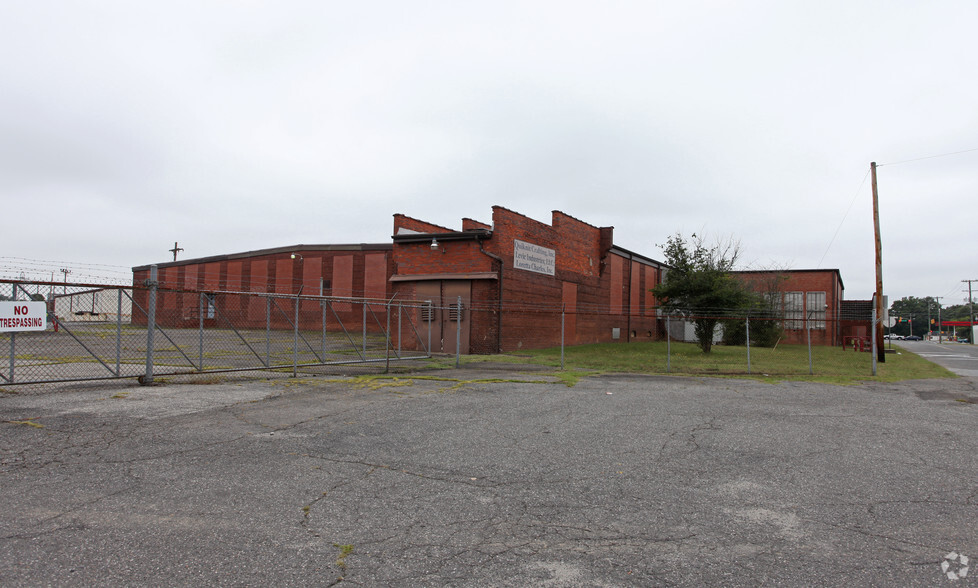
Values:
[(518, 481)]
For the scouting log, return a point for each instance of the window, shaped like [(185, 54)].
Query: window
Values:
[(794, 310), (815, 303)]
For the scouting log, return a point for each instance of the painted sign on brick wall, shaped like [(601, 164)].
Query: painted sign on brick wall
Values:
[(534, 258)]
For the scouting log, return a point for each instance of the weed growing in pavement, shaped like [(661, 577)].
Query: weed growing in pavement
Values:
[(28, 422), (345, 550)]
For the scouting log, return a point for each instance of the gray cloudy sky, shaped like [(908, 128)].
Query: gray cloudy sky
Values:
[(231, 126)]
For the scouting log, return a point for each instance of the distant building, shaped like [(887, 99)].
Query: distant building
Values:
[(810, 299)]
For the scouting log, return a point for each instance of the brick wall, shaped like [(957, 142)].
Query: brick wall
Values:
[(364, 272)]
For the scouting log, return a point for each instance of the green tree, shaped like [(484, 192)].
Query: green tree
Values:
[(698, 284), (765, 310), (910, 314)]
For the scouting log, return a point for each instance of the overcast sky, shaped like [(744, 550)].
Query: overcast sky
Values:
[(233, 126)]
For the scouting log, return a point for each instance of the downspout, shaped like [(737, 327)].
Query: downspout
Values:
[(499, 313)]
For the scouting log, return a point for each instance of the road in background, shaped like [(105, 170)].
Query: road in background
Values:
[(960, 358)]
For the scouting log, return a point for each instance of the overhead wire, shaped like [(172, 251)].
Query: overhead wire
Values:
[(844, 216), (928, 157)]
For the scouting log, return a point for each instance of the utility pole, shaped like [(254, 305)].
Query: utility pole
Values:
[(175, 249), (971, 312), (65, 271), (878, 328), (940, 327)]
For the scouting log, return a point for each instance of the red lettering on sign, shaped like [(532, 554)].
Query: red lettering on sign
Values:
[(20, 310)]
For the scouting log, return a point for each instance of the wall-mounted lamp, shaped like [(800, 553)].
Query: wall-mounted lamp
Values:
[(296, 255), (436, 247)]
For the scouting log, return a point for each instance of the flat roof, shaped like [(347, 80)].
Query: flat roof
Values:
[(272, 251)]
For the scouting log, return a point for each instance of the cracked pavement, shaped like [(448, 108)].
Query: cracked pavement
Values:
[(616, 481)]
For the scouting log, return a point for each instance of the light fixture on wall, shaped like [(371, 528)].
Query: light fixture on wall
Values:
[(436, 247), (297, 256)]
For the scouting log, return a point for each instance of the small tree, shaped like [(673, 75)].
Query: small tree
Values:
[(699, 285), (766, 310)]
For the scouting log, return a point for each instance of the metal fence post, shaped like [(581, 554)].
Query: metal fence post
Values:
[(431, 319), (400, 307), (668, 343), (295, 341), (322, 306), (808, 328), (364, 329), (563, 308), (458, 333), (387, 340), (268, 332), (13, 338), (747, 325), (118, 334), (200, 330), (150, 325), (873, 337)]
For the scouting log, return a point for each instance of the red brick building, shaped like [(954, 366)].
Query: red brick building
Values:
[(518, 277), (519, 283), (518, 280), (338, 270), (810, 299)]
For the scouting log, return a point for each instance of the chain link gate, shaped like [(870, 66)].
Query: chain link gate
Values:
[(105, 332)]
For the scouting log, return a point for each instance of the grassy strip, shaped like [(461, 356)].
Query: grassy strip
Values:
[(831, 365)]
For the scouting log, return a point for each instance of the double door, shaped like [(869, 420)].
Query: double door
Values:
[(450, 329)]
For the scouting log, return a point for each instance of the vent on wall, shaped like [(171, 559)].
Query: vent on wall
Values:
[(454, 311)]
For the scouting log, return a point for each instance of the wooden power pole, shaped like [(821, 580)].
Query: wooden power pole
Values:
[(878, 328)]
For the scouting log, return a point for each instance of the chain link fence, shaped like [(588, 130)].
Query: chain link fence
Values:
[(102, 332), (146, 331)]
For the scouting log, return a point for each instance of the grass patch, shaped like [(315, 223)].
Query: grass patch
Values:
[(831, 365)]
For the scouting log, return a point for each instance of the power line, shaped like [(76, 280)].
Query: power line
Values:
[(836, 234), (929, 157)]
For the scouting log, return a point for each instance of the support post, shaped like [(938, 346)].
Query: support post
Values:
[(563, 308), (118, 335), (13, 339), (878, 328), (147, 379), (808, 329), (200, 331), (387, 341), (874, 341), (295, 340), (747, 326), (668, 344), (458, 333)]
